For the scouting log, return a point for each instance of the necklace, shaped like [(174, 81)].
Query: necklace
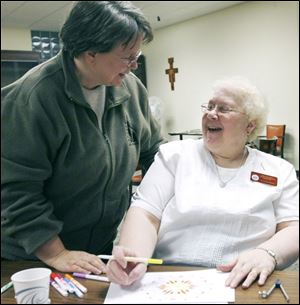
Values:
[(223, 183)]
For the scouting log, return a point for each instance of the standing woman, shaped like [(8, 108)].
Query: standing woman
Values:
[(73, 131)]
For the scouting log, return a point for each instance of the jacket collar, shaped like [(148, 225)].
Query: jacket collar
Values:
[(115, 95)]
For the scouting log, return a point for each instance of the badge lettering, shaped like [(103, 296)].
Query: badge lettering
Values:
[(262, 178)]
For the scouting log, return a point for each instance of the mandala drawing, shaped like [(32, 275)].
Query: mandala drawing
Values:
[(177, 287)]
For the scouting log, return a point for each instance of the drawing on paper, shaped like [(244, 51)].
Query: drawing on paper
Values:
[(173, 287), (162, 289), (177, 287)]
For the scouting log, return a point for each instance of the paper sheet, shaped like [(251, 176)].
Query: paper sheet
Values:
[(203, 286)]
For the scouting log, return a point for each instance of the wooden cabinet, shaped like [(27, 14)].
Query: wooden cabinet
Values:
[(15, 64)]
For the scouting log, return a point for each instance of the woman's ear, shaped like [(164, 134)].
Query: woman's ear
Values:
[(90, 56), (250, 127)]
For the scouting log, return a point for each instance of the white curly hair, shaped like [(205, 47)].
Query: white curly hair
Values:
[(248, 97)]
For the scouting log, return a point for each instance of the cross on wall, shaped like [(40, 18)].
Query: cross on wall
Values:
[(171, 72)]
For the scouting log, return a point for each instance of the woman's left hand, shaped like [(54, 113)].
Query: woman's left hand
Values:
[(249, 266)]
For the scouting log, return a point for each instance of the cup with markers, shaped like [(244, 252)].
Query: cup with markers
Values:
[(67, 285)]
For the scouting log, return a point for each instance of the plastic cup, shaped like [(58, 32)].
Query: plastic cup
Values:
[(32, 286)]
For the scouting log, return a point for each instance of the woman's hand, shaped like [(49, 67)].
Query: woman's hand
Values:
[(120, 271), (249, 266), (54, 254), (76, 261)]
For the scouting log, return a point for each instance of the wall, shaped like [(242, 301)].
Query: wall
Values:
[(16, 39), (258, 40)]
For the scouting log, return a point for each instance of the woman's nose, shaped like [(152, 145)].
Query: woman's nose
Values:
[(213, 114)]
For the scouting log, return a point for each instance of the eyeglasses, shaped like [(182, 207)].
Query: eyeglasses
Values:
[(129, 60), (224, 109)]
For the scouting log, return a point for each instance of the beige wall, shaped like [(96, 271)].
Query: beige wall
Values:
[(258, 40), (16, 39)]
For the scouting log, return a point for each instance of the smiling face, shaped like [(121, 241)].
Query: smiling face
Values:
[(226, 127), (110, 68)]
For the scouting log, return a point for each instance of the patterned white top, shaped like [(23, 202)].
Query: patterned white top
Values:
[(203, 223)]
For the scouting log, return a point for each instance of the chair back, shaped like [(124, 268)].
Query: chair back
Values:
[(268, 145), (279, 132)]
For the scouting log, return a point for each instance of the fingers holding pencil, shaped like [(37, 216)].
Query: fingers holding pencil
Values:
[(116, 267), (119, 254), (121, 271)]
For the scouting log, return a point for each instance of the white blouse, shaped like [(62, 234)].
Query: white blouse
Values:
[(203, 223)]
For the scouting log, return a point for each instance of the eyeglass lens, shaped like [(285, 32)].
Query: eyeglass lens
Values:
[(218, 108)]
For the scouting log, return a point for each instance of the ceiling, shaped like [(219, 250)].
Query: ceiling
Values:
[(49, 15)]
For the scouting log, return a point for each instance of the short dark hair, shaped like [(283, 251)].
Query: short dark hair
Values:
[(100, 26)]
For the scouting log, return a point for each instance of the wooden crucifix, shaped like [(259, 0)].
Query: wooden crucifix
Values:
[(171, 71)]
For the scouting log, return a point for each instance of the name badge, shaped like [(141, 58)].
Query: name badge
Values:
[(262, 178)]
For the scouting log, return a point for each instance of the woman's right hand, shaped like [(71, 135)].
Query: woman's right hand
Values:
[(121, 272), (76, 261), (54, 254)]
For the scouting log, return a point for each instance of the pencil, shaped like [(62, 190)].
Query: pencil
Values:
[(154, 261)]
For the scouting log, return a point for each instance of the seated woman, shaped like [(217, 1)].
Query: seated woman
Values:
[(215, 202)]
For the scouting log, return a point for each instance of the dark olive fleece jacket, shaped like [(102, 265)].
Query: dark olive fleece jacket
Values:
[(61, 173)]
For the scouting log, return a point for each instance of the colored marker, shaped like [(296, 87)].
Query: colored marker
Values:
[(145, 260), (6, 287), (59, 289), (76, 283), (91, 277), (74, 288), (63, 285)]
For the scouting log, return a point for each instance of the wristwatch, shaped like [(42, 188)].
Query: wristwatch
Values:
[(271, 253)]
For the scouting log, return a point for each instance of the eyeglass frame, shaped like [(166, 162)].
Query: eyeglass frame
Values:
[(205, 109), (128, 61)]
